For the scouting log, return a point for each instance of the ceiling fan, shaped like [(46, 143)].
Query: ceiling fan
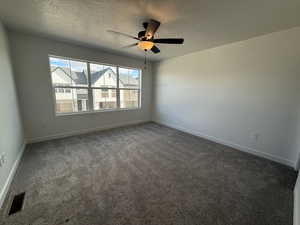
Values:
[(146, 40)]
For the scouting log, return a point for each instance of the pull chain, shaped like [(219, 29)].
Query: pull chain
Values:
[(145, 67)]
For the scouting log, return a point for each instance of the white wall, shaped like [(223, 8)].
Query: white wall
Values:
[(11, 131), (33, 81), (235, 94)]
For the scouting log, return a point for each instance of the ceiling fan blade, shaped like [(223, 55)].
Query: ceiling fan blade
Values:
[(125, 35), (145, 25), (152, 27), (169, 40), (129, 46), (155, 49)]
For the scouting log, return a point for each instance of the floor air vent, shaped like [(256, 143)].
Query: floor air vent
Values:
[(17, 203)]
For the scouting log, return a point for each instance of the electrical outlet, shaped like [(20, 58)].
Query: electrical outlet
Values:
[(2, 159), (255, 137)]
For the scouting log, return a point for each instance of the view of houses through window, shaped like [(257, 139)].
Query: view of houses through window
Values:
[(82, 86)]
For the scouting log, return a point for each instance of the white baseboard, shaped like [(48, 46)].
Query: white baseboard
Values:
[(10, 177), (83, 131), (230, 144)]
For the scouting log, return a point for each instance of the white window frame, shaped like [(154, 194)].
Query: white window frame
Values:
[(90, 88)]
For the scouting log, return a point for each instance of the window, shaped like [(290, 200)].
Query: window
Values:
[(113, 93), (63, 90), (81, 86), (104, 93)]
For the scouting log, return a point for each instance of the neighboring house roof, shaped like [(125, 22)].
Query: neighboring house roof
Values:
[(65, 74), (81, 77), (97, 75), (128, 81)]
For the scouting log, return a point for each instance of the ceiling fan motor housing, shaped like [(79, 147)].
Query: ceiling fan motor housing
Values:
[(142, 36)]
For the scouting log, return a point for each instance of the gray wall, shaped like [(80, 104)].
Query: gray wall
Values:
[(243, 94), (33, 81), (297, 135), (297, 187), (297, 202), (11, 132)]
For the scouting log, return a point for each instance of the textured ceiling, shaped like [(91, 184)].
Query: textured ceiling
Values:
[(203, 23)]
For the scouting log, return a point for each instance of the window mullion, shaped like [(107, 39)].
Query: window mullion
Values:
[(90, 92), (118, 89), (139, 98)]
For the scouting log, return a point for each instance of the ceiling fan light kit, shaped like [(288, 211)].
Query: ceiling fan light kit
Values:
[(145, 45)]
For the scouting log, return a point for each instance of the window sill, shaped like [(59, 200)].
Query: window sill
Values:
[(96, 111)]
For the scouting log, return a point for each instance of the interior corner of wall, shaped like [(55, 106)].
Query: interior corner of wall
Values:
[(297, 165)]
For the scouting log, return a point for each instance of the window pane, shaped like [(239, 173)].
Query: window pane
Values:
[(79, 73), (129, 98), (66, 72), (104, 99), (103, 76), (129, 78), (70, 100)]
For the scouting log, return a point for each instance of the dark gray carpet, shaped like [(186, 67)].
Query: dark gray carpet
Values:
[(148, 174)]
